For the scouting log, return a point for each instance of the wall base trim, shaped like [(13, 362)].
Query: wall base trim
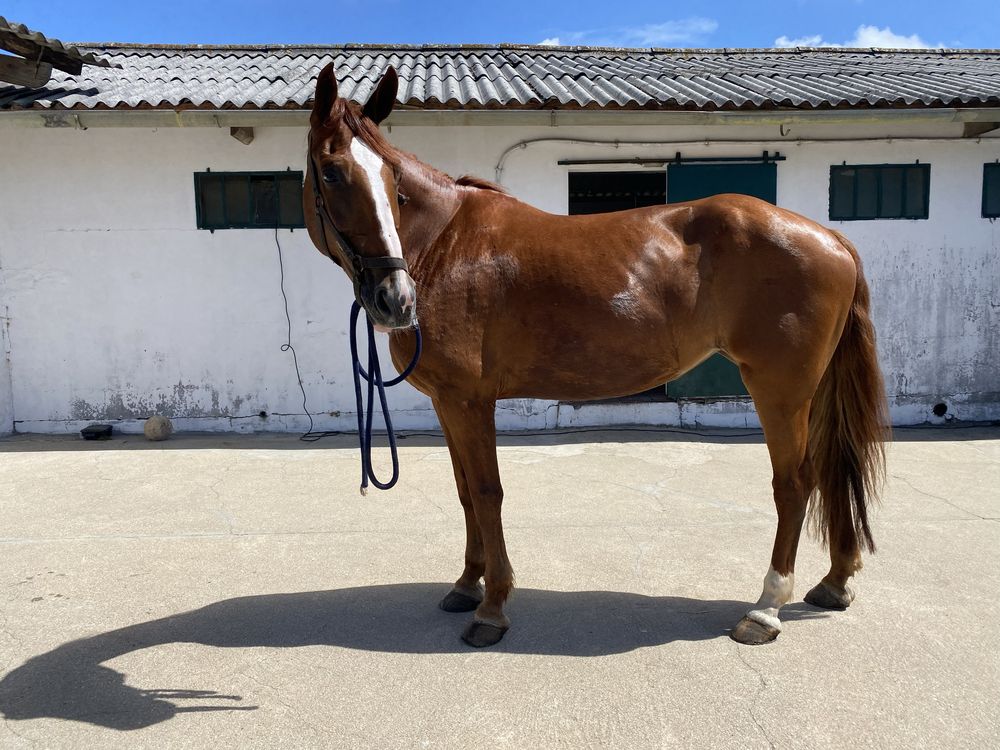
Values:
[(531, 414)]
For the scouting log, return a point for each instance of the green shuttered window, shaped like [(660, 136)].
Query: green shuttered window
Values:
[(879, 191), (991, 191), (248, 200)]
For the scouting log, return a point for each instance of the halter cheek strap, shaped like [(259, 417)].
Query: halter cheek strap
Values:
[(359, 263)]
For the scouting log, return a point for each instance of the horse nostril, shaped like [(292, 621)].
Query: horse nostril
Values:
[(382, 303)]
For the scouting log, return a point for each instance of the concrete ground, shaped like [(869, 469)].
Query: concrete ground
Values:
[(238, 592)]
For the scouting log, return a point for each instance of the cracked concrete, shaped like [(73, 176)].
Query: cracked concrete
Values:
[(215, 591), (756, 696)]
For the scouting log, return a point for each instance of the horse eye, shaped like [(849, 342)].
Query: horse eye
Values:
[(403, 199), (332, 175)]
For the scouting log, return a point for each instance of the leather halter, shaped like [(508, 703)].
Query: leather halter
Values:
[(359, 263)]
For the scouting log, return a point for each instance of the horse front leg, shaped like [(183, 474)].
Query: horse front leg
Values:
[(471, 434), (467, 592)]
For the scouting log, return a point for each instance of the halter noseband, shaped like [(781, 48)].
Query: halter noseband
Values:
[(359, 263)]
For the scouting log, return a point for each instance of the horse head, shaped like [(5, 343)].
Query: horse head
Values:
[(352, 198)]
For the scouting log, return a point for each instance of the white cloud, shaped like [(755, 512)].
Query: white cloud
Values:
[(872, 36), (552, 41), (684, 31), (802, 41), (865, 36), (677, 33)]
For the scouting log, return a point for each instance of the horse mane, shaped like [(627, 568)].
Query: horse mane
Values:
[(468, 180), (368, 131)]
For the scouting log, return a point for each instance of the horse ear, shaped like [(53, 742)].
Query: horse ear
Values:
[(380, 103), (326, 95)]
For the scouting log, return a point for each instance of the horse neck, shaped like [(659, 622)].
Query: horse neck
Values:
[(433, 199)]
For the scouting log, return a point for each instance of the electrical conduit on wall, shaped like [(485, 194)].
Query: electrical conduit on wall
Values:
[(6, 390)]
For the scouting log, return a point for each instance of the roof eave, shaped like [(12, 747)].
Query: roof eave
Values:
[(299, 117)]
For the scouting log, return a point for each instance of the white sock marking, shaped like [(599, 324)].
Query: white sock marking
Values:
[(777, 591)]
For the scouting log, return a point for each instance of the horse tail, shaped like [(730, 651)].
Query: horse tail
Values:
[(848, 424)]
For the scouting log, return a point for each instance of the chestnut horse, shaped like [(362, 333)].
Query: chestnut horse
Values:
[(515, 302)]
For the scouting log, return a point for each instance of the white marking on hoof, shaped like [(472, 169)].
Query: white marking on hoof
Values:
[(764, 619), (777, 591)]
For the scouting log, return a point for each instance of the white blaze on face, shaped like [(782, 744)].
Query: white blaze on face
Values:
[(777, 591), (371, 165)]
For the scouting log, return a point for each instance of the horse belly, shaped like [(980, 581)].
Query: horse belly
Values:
[(595, 362)]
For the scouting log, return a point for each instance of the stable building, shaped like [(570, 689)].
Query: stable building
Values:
[(151, 226)]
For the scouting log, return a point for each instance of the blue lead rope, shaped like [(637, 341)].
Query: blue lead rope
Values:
[(374, 379)]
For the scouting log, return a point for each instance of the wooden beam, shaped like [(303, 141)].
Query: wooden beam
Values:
[(23, 72), (243, 134), (976, 129), (33, 51)]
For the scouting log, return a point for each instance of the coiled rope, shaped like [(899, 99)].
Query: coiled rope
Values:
[(373, 377)]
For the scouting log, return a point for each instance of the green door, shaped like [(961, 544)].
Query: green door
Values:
[(716, 377)]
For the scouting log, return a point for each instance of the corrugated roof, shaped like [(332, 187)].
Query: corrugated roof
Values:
[(35, 45), (525, 77)]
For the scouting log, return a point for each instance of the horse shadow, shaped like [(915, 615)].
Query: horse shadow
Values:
[(71, 682)]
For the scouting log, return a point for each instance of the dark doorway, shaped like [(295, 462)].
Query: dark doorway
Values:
[(599, 192)]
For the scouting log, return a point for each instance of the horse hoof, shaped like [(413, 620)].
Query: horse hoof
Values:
[(480, 634), (752, 633), (456, 601), (826, 596)]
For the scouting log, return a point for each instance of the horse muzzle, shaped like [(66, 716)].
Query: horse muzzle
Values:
[(392, 303)]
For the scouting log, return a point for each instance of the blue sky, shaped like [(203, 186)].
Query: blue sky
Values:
[(723, 23)]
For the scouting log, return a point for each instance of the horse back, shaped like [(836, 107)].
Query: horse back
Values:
[(726, 246)]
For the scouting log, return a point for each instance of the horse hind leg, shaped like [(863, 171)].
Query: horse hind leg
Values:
[(786, 430), (834, 592), (849, 426)]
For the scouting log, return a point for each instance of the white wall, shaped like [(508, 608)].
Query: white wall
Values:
[(935, 283), (120, 308)]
